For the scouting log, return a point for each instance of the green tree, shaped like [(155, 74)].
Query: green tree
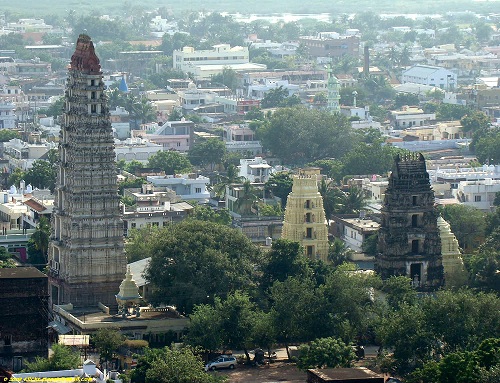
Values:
[(6, 260), (16, 176), (406, 99), (172, 365), (206, 213), (399, 291), (247, 198), (209, 152), (56, 108), (205, 328), (7, 135), (62, 358), (467, 223), (292, 311), (299, 135), (38, 244), (107, 341), (286, 259), (171, 162), (352, 201), (331, 195), (227, 77), (484, 264), (192, 262), (339, 252), (280, 184), (486, 146), (231, 177), (137, 246), (237, 314), (274, 97), (325, 352), (41, 175)]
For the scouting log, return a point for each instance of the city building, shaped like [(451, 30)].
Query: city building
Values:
[(410, 116), (203, 64), (241, 139), (409, 242), (153, 207), (174, 135), (330, 44), (354, 230), (8, 118), (86, 258), (255, 169), (305, 220), (23, 316), (479, 194), (430, 75), (190, 187)]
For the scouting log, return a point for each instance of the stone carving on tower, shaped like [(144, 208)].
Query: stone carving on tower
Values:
[(305, 217), (409, 242), (86, 256)]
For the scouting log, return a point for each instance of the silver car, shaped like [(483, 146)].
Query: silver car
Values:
[(223, 361)]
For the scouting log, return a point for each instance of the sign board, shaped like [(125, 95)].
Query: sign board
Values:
[(74, 340)]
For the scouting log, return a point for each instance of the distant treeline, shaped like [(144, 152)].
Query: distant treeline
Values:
[(28, 8)]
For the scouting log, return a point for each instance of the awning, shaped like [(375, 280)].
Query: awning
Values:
[(59, 327)]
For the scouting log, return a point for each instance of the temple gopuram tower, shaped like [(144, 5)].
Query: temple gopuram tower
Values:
[(305, 217), (409, 241), (86, 256)]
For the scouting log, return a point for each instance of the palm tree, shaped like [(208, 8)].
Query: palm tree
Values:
[(40, 238), (232, 177), (339, 252), (248, 196), (353, 201), (331, 197)]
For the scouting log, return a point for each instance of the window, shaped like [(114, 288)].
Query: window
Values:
[(93, 108), (310, 251), (309, 232), (414, 200), (197, 190), (477, 198), (414, 246), (414, 220), (308, 204)]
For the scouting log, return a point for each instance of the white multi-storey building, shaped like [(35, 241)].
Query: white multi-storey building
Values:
[(479, 194), (430, 75), (186, 186), (188, 57), (255, 169)]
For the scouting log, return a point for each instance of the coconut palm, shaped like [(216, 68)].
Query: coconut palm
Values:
[(331, 195), (247, 198), (232, 177), (353, 201)]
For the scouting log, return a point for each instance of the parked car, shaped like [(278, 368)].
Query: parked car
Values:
[(223, 361)]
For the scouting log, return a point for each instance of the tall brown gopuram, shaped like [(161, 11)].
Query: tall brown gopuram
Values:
[(409, 242), (86, 257)]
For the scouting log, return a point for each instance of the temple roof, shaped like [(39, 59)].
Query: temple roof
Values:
[(84, 59)]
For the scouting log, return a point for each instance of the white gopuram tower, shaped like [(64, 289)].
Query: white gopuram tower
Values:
[(305, 217), (86, 257), (453, 265)]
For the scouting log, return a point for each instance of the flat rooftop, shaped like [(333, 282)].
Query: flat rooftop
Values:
[(21, 273)]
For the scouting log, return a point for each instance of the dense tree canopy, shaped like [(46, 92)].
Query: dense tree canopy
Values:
[(171, 161), (62, 358), (193, 262), (299, 135), (172, 365)]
